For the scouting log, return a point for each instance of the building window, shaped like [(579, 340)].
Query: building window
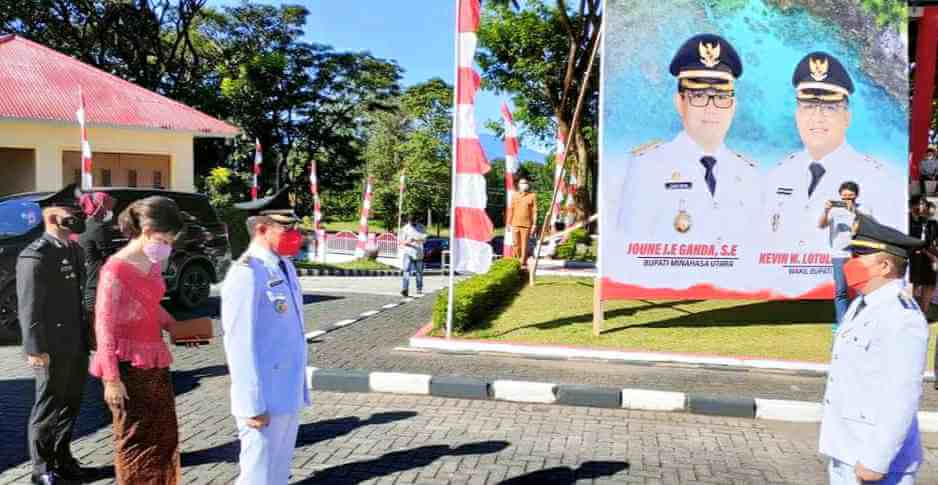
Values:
[(76, 176), (157, 179), (106, 177), (131, 178)]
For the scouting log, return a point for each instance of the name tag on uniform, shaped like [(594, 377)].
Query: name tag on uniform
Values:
[(784, 191), (678, 185), (274, 283)]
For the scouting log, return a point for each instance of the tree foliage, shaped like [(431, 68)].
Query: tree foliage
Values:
[(538, 52)]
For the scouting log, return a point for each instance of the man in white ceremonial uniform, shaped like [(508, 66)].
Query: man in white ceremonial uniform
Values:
[(798, 188), (693, 189), (262, 316), (869, 429)]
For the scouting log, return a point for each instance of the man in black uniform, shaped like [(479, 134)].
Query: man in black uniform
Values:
[(49, 278)]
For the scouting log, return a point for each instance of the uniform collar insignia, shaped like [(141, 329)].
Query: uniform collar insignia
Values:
[(819, 68), (709, 54)]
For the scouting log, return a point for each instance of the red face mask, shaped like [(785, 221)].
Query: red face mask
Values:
[(288, 243), (856, 274)]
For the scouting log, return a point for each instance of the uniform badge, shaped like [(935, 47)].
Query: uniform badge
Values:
[(682, 221), (280, 306), (709, 54), (675, 175), (776, 221), (819, 68)]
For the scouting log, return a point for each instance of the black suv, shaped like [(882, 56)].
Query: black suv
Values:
[(201, 255)]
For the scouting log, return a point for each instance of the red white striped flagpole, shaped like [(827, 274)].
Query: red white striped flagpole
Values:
[(363, 221), (258, 159), (317, 213), (87, 165), (558, 178), (511, 166), (571, 202), (470, 226)]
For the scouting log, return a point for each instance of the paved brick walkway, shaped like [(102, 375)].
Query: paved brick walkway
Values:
[(372, 438)]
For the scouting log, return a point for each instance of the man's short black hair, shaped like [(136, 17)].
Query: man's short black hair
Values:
[(851, 186)]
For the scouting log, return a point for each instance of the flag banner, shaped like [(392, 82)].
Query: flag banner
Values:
[(557, 214), (87, 165), (473, 229), (258, 159), (511, 166), (363, 221), (733, 142)]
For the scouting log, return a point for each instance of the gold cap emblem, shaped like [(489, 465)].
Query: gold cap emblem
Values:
[(818, 68), (709, 54), (675, 176)]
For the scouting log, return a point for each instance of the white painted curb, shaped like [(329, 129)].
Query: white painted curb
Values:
[(309, 377), (928, 422), (314, 334), (520, 391), (370, 313), (343, 323), (641, 399), (397, 383), (792, 411)]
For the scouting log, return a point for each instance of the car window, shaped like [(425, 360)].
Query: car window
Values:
[(197, 209), (18, 217)]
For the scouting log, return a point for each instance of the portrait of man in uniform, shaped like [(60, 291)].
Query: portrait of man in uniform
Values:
[(693, 189), (798, 188)]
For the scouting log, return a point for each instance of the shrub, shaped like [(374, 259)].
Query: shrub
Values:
[(236, 220), (476, 299), (567, 249)]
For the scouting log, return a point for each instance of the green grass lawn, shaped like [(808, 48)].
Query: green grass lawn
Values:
[(356, 264), (558, 311)]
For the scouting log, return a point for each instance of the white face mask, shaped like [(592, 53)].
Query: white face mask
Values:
[(108, 216), (523, 187)]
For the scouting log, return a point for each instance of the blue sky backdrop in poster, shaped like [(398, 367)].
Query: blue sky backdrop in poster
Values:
[(641, 38)]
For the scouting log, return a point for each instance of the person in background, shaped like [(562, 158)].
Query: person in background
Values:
[(413, 235), (132, 359), (869, 427), (839, 216), (929, 166), (49, 277), (98, 208), (921, 265), (262, 317), (522, 217)]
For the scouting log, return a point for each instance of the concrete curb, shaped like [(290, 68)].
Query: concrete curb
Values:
[(356, 273), (347, 380)]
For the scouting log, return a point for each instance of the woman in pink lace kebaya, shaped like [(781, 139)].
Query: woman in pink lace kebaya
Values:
[(132, 358)]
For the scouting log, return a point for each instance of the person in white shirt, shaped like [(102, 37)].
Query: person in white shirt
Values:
[(838, 217), (412, 237)]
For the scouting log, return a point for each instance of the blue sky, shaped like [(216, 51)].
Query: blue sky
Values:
[(418, 34)]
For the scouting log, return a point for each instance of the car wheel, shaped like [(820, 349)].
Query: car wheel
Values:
[(9, 324), (195, 285)]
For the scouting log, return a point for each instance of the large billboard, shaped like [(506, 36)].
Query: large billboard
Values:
[(729, 128)]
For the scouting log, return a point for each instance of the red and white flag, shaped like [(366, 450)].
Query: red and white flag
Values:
[(317, 211), (472, 227), (363, 221), (558, 179), (570, 210), (511, 166), (258, 159), (87, 166)]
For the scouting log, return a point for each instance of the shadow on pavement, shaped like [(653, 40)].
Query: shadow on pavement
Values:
[(563, 475), (399, 461), (308, 434), (188, 380), (16, 401)]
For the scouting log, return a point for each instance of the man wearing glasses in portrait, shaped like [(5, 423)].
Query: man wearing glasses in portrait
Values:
[(693, 189)]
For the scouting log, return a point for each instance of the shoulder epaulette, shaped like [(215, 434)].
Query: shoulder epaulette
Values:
[(244, 260), (751, 163), (646, 147), (907, 303), (38, 244), (876, 163)]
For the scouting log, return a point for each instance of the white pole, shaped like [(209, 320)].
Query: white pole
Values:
[(452, 207), (400, 205)]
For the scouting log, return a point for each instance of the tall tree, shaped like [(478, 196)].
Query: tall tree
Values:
[(538, 52)]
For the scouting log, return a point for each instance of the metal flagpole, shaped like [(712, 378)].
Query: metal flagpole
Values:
[(566, 151), (400, 205), (452, 206)]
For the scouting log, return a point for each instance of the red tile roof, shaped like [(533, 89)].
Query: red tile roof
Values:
[(39, 83)]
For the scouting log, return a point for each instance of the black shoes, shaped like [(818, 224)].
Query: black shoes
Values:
[(50, 478), (72, 471), (404, 293)]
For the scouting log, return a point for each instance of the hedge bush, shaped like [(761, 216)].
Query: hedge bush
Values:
[(567, 249), (236, 220), (476, 299)]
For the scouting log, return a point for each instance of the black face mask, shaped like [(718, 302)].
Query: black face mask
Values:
[(75, 225)]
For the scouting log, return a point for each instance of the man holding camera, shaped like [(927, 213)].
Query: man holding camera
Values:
[(838, 217)]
